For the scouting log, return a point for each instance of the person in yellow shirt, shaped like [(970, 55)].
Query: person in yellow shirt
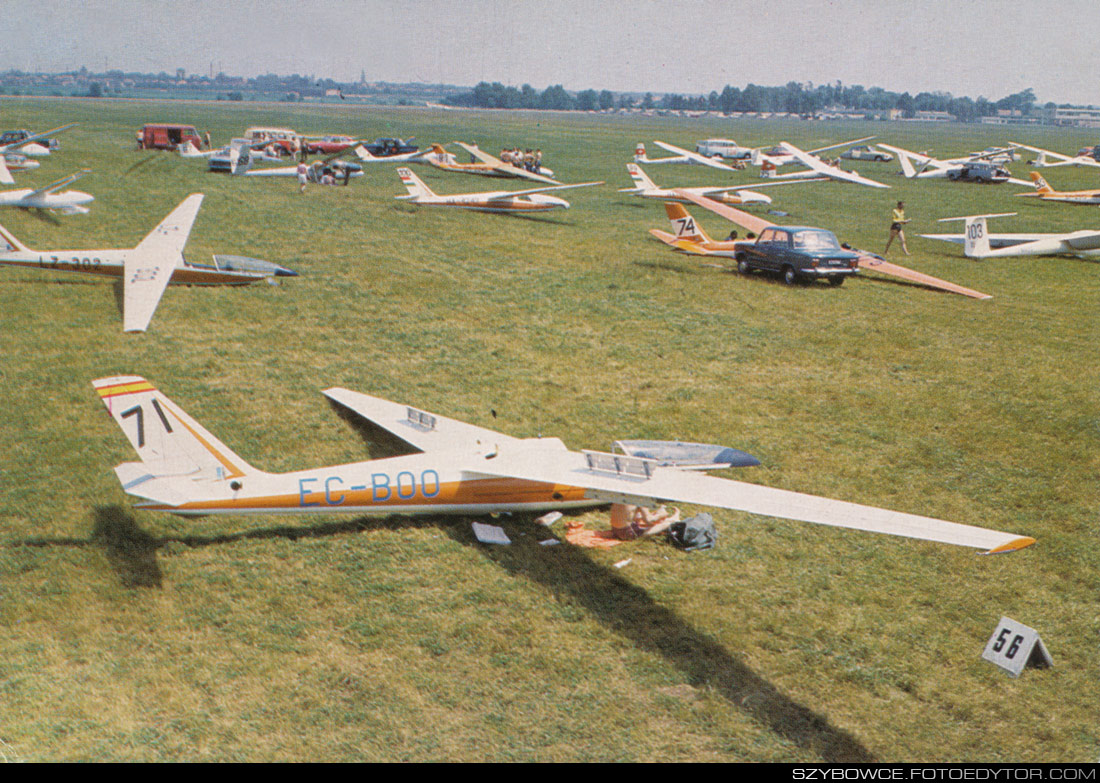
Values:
[(899, 221)]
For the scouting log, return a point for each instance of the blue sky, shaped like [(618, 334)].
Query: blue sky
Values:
[(982, 47)]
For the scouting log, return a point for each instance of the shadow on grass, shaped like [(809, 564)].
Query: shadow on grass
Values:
[(564, 571), (46, 216), (131, 551), (572, 577)]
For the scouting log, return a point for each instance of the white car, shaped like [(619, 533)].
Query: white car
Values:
[(866, 152)]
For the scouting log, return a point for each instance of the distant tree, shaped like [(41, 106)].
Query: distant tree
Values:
[(556, 97), (95, 90), (607, 99), (588, 100), (647, 101), (235, 96), (906, 105)]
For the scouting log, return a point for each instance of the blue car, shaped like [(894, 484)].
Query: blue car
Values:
[(798, 253)]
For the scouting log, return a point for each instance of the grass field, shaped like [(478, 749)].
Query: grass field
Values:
[(126, 635)]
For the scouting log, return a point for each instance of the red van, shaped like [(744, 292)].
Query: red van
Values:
[(163, 136)]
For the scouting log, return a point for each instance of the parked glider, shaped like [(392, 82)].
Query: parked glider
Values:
[(51, 197), (817, 168), (644, 187), (777, 156), (974, 168), (487, 165), (366, 156), (532, 200), (1045, 192), (680, 155), (692, 239), (461, 468), (977, 242), (14, 157), (1058, 159), (146, 269)]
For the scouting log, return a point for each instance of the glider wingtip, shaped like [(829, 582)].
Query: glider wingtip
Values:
[(1013, 545)]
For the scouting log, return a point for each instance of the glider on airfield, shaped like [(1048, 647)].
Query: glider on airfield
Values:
[(1059, 159), (974, 168), (239, 157), (366, 156), (816, 169), (148, 268), (13, 156), (462, 469), (487, 165), (51, 197), (532, 200), (689, 238), (680, 155), (977, 242), (777, 156), (644, 187), (1045, 192)]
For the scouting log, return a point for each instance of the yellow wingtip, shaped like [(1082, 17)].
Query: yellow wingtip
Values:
[(1013, 545)]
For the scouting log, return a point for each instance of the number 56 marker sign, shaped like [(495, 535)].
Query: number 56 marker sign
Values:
[(1013, 646)]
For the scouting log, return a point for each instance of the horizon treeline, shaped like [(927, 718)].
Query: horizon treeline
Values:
[(792, 98)]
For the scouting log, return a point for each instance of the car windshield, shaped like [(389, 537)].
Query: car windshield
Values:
[(815, 240)]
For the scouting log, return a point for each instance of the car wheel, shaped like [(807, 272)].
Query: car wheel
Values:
[(743, 266), (790, 277), (836, 281)]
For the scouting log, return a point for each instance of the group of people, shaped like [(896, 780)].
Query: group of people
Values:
[(530, 160), (323, 173)]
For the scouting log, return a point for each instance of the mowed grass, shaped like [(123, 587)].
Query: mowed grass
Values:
[(126, 635)]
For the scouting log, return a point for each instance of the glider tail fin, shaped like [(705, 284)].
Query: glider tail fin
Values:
[(639, 153), (1041, 185), (683, 224), (180, 460), (417, 188), (641, 179), (976, 239)]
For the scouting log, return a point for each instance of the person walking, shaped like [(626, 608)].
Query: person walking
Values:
[(897, 228)]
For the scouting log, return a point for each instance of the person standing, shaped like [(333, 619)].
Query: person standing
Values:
[(303, 175), (897, 228)]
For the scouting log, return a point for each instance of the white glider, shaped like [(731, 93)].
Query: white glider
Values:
[(977, 242), (645, 187), (148, 268), (51, 197), (530, 200), (461, 468), (680, 156), (1059, 159)]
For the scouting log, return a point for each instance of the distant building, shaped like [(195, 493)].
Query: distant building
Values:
[(1075, 116), (934, 116)]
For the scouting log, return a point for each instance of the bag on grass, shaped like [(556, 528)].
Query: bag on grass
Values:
[(695, 533)]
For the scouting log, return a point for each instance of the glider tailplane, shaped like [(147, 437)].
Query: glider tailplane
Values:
[(13, 244), (683, 224), (907, 166), (180, 460), (976, 238), (417, 188)]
